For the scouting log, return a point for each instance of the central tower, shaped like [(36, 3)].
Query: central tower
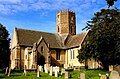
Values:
[(66, 22)]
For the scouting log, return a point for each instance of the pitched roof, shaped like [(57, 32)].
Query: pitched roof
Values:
[(75, 40), (29, 37)]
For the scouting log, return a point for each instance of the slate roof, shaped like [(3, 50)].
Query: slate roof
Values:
[(29, 37)]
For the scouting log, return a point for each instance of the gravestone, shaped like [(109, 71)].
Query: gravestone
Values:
[(118, 69), (51, 70), (66, 74), (55, 69), (56, 73), (46, 68), (62, 71), (41, 68), (82, 76), (9, 71), (110, 67), (38, 71), (25, 72), (6, 71), (114, 75), (103, 77)]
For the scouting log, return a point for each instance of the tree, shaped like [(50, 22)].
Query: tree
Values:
[(103, 40), (4, 47), (110, 2)]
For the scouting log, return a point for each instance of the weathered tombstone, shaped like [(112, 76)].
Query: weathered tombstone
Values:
[(118, 69), (62, 71), (25, 72), (51, 70), (46, 68), (114, 75), (110, 67), (6, 71), (38, 71), (82, 76), (9, 71), (41, 68), (66, 74), (103, 77), (56, 73), (56, 69)]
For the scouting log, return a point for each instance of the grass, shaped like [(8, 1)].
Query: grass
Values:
[(90, 74)]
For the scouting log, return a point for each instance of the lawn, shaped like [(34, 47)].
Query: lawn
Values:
[(90, 74)]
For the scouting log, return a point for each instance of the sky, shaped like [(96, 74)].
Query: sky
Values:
[(41, 14)]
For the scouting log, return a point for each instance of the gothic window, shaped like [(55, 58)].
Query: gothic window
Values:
[(42, 49), (72, 53), (58, 55)]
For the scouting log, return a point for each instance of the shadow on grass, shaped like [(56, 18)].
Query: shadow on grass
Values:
[(1, 77)]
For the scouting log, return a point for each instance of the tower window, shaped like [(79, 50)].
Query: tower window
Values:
[(58, 28)]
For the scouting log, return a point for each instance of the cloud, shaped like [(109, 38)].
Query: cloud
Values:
[(14, 6)]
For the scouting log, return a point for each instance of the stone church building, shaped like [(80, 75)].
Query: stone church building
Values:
[(30, 48)]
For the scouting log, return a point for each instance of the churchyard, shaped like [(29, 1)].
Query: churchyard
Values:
[(55, 72), (90, 74)]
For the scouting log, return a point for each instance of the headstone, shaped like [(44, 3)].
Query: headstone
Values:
[(38, 71), (51, 70), (56, 73), (41, 68), (9, 71), (6, 71), (56, 69), (114, 75), (46, 68), (62, 71), (25, 72), (118, 69), (103, 77), (82, 76), (110, 67), (66, 74)]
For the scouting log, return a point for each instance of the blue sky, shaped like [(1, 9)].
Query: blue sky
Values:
[(41, 14)]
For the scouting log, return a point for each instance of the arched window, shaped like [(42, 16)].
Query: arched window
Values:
[(42, 49)]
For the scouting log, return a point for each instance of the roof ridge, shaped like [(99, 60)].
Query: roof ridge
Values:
[(35, 30)]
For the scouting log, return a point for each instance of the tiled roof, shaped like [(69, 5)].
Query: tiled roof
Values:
[(75, 40), (29, 37)]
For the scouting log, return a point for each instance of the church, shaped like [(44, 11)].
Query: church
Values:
[(30, 48)]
